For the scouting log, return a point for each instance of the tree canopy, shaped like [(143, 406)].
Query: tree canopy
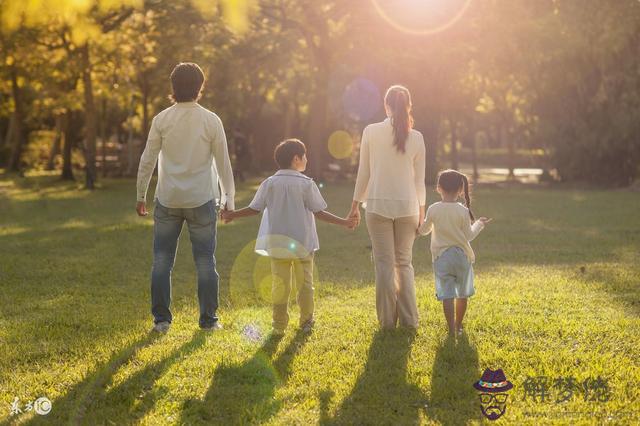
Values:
[(81, 80)]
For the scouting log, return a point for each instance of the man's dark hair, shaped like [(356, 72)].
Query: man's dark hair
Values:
[(286, 150), (187, 81)]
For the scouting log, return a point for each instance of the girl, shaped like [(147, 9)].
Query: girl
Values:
[(449, 223)]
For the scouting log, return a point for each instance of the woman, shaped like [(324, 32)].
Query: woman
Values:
[(391, 185)]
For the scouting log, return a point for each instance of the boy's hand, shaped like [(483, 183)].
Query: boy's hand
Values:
[(226, 215), (485, 220), (141, 208)]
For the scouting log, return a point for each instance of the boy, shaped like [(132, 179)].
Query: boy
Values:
[(289, 201), (188, 139)]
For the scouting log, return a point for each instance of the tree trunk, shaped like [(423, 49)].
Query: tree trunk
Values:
[(470, 136), (130, 148), (103, 135), (69, 139), (145, 113), (18, 129), (453, 126), (474, 157), (90, 120), (8, 137), (432, 131), (55, 148), (507, 140)]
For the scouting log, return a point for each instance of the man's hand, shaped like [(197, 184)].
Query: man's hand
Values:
[(226, 214), (141, 208)]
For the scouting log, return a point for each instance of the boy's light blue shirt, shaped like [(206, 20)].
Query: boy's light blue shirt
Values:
[(288, 200)]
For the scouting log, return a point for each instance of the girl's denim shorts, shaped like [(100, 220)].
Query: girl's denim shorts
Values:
[(453, 274)]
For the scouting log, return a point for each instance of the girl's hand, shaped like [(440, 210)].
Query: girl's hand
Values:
[(485, 220)]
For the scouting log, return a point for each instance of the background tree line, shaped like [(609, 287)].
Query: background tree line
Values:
[(553, 84)]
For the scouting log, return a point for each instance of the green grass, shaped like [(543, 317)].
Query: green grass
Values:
[(74, 317)]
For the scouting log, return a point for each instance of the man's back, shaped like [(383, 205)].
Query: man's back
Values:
[(190, 142)]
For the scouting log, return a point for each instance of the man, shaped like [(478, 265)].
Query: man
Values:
[(191, 146)]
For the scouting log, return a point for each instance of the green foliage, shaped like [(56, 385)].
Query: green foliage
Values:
[(559, 76)]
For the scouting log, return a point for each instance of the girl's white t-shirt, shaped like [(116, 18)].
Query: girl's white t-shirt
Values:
[(450, 226)]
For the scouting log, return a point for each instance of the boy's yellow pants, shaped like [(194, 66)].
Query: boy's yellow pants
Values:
[(284, 273)]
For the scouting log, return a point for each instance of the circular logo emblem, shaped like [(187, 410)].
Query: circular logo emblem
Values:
[(42, 406)]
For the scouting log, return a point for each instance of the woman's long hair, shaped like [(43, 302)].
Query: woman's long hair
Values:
[(398, 100)]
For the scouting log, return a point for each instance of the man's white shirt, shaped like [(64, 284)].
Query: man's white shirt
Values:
[(190, 145)]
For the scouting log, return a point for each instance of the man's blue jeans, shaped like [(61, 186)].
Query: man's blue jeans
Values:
[(167, 225)]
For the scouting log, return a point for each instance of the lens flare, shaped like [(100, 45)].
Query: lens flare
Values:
[(361, 99), (251, 281), (421, 17), (340, 144)]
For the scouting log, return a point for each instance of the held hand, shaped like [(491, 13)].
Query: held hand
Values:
[(141, 208), (485, 220), (420, 220), (355, 215), (226, 215), (351, 223)]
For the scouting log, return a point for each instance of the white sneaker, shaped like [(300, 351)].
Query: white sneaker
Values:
[(161, 327)]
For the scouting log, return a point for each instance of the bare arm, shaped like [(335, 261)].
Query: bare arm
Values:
[(325, 216), (426, 226), (229, 215)]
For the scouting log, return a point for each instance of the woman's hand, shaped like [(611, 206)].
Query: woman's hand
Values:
[(421, 217), (354, 214), (485, 220)]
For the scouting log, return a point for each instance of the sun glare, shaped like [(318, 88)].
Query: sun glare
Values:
[(421, 17)]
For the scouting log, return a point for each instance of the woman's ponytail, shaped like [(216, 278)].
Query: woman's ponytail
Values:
[(398, 100)]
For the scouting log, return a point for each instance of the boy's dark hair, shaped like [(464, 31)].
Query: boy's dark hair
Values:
[(452, 181), (187, 81), (286, 150)]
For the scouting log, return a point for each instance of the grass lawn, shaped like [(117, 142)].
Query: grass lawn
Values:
[(557, 296)]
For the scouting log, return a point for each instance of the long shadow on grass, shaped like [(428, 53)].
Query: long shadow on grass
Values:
[(453, 400), (137, 395), (244, 393), (382, 393), (72, 407)]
